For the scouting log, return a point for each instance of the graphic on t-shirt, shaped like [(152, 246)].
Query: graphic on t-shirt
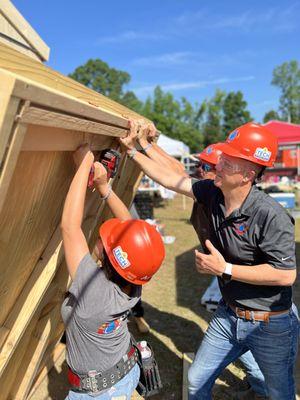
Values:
[(114, 325), (109, 327)]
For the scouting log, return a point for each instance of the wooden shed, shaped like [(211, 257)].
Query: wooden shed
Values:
[(44, 116)]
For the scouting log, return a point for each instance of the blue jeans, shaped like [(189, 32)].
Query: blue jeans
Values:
[(254, 375), (273, 345), (122, 390)]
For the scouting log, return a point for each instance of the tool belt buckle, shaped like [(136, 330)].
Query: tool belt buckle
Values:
[(91, 381)]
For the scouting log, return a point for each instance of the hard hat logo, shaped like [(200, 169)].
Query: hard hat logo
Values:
[(233, 136), (121, 257), (262, 154), (209, 150)]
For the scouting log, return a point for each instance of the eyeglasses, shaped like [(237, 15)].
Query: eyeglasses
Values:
[(228, 166), (206, 167)]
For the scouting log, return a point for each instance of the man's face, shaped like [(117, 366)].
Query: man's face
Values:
[(206, 170), (230, 172)]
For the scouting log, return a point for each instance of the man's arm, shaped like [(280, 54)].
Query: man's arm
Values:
[(262, 274), (158, 155), (166, 177)]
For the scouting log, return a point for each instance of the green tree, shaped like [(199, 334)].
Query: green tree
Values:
[(99, 76), (287, 77), (211, 113), (176, 119), (234, 111), (271, 115)]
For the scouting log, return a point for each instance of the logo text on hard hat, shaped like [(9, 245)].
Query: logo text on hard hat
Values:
[(121, 257), (233, 136), (209, 150), (262, 154)]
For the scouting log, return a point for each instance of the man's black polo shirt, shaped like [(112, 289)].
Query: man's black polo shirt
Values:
[(260, 232)]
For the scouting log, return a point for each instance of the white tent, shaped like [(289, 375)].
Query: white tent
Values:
[(175, 148)]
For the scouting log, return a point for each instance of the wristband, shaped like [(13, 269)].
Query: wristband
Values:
[(149, 145), (132, 152), (107, 194)]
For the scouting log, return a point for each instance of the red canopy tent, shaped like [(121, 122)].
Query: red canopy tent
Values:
[(286, 133), (289, 143)]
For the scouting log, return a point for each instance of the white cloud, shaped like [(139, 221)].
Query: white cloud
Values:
[(164, 59), (275, 19), (128, 36), (144, 90)]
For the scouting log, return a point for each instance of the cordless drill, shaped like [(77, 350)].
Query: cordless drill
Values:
[(110, 159)]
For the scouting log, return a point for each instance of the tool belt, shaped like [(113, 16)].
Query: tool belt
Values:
[(150, 382), (96, 381), (254, 315)]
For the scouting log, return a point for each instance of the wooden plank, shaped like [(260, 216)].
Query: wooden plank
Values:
[(38, 73), (54, 139), (34, 290), (8, 377), (56, 357), (11, 14), (8, 109), (10, 161), (44, 117), (34, 353), (60, 101), (187, 359), (29, 217), (11, 37)]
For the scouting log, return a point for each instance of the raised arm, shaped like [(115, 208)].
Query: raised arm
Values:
[(116, 205), (162, 174), (74, 241), (156, 153)]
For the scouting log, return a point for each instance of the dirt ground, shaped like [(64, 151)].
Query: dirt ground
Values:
[(172, 307)]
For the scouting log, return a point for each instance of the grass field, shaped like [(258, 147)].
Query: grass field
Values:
[(172, 307)]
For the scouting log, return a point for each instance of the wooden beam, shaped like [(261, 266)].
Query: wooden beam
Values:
[(44, 117), (39, 138), (55, 357), (35, 288), (11, 156), (34, 354), (34, 72), (11, 14), (8, 109)]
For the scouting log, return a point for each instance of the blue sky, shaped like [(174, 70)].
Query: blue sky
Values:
[(189, 48)]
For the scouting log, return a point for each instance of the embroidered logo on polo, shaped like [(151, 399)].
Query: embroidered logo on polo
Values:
[(241, 228), (233, 136), (262, 154), (121, 257)]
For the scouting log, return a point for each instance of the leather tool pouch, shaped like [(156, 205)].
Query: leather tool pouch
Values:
[(150, 382)]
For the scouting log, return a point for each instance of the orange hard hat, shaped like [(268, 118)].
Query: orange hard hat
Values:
[(211, 153), (134, 248), (252, 142)]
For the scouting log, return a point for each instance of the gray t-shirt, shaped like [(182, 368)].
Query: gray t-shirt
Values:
[(94, 314), (259, 232)]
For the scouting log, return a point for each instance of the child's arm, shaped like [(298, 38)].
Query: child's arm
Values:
[(74, 241), (115, 204)]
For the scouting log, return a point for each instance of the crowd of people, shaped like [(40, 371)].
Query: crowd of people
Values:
[(247, 242)]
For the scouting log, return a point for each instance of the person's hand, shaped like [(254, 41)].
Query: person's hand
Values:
[(100, 175), (147, 133), (213, 263), (129, 141), (83, 153)]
